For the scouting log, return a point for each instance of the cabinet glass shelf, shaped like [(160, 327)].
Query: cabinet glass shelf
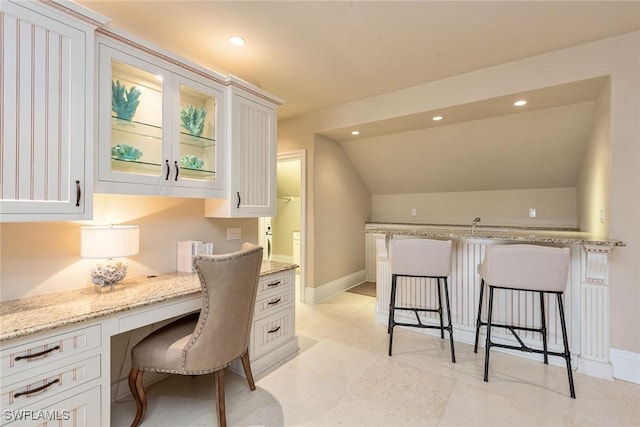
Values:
[(139, 129), (148, 168), (196, 141), (136, 128)]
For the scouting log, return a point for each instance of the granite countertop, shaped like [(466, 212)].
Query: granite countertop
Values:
[(511, 234), (30, 315)]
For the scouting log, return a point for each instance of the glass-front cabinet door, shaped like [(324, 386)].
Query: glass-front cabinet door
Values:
[(196, 157), (158, 128), (136, 120)]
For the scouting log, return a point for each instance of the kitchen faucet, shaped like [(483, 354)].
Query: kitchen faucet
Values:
[(473, 224)]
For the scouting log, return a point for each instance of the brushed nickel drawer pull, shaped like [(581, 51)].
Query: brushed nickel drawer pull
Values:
[(37, 389), (274, 302), (274, 330), (42, 353), (273, 284)]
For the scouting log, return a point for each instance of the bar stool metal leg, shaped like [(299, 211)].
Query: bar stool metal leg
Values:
[(478, 321), (567, 355), (488, 345), (392, 305), (440, 308), (450, 327), (544, 330)]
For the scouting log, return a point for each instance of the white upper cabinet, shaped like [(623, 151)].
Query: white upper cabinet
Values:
[(160, 126), (46, 98), (251, 156)]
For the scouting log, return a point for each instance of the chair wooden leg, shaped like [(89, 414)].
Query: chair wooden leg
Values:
[(218, 377), (137, 391), (246, 365)]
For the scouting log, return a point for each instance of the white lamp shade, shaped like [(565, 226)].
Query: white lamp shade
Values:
[(109, 241)]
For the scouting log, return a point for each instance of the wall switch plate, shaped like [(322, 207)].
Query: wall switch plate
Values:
[(602, 215), (414, 211), (234, 233), (532, 212)]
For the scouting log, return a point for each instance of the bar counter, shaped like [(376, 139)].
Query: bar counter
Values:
[(586, 298), (507, 234)]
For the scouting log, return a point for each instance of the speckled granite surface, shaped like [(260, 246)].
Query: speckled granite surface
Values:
[(25, 316), (520, 235)]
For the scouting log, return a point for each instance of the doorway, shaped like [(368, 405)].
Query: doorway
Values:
[(283, 236)]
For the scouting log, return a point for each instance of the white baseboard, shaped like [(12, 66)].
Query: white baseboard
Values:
[(626, 365), (328, 290)]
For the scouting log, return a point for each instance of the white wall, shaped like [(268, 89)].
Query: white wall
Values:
[(555, 207), (43, 257), (593, 180)]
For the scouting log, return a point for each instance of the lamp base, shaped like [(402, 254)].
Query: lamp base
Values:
[(107, 276)]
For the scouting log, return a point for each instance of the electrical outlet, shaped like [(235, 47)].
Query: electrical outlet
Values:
[(414, 212), (602, 215), (532, 212), (234, 233)]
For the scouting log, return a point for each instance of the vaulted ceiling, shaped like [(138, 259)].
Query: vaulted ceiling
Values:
[(317, 54)]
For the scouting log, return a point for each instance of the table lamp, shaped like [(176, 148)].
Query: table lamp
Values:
[(109, 242)]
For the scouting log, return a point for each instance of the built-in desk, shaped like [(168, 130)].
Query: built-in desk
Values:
[(55, 349), (586, 296)]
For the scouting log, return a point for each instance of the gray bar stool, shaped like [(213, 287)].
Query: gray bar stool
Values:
[(525, 268), (421, 258)]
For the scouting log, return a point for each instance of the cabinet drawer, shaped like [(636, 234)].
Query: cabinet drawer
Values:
[(74, 409), (27, 391), (273, 303), (273, 282), (272, 331), (45, 350)]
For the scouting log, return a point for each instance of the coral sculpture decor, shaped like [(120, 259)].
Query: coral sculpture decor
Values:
[(193, 119), (191, 162), (124, 103)]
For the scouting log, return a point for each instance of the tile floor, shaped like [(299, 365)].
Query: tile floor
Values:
[(342, 376)]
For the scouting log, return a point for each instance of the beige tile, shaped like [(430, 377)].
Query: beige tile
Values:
[(342, 376)]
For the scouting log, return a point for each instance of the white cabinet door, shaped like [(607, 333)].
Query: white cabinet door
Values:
[(158, 126), (252, 160), (46, 70)]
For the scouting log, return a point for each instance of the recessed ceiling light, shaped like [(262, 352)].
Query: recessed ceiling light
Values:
[(236, 41), (355, 132), (520, 103), (436, 118)]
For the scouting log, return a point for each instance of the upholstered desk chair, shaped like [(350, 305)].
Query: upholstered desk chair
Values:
[(532, 268), (208, 341), (421, 258)]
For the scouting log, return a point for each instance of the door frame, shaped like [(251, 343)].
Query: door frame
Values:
[(300, 155)]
